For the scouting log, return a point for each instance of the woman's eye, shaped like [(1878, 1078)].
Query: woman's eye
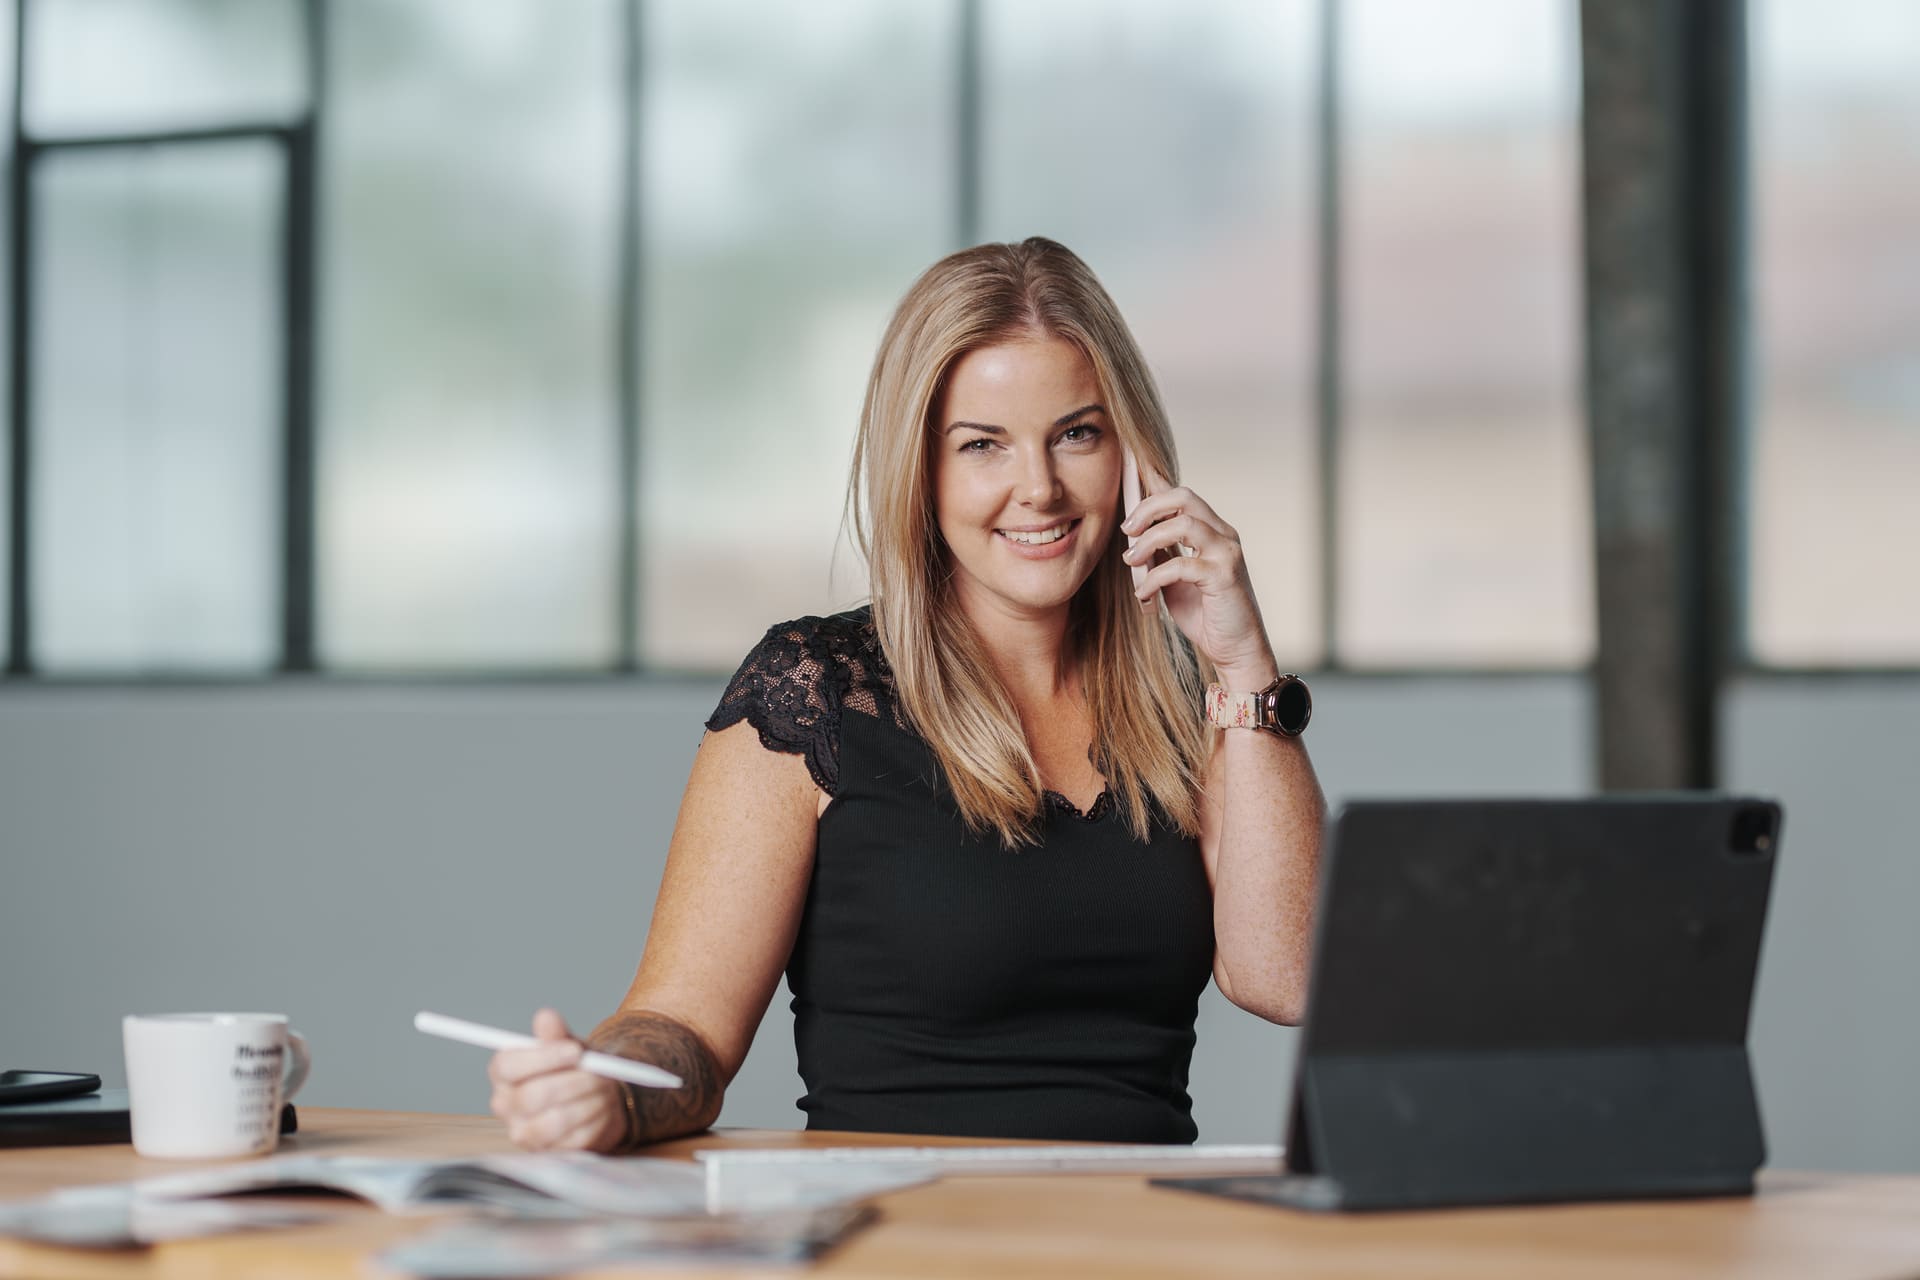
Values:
[(1080, 433), (979, 444)]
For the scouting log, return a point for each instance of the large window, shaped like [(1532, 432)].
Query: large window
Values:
[(1836, 422), (799, 171), (468, 484), (599, 283), (1465, 533)]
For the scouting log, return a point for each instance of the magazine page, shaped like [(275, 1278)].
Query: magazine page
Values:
[(627, 1185), (527, 1184), (119, 1222), (472, 1250), (391, 1184)]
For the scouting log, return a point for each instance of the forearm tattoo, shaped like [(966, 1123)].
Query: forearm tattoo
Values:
[(660, 1114)]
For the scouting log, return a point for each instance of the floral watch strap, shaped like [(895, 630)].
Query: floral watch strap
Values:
[(1231, 710)]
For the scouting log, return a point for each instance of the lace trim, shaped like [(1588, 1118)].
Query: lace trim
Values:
[(793, 686), (1102, 805)]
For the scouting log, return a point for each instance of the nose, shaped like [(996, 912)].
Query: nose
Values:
[(1039, 484)]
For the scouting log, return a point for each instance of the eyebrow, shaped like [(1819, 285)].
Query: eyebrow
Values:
[(990, 429)]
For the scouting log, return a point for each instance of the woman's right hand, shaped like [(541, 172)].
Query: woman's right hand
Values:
[(547, 1102)]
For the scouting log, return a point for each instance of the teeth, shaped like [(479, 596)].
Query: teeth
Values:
[(1040, 537)]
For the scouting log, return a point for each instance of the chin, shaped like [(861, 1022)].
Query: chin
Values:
[(1040, 597)]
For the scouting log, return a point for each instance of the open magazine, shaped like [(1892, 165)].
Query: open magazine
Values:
[(519, 1184)]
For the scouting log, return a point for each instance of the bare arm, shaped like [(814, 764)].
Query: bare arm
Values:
[(723, 925), (1261, 811), (1260, 827)]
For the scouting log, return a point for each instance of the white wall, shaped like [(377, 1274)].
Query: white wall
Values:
[(350, 853)]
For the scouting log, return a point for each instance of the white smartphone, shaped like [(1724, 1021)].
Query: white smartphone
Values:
[(1130, 495)]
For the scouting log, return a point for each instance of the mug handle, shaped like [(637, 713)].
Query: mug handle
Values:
[(299, 1064)]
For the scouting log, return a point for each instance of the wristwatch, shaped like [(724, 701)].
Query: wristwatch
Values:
[(1283, 707)]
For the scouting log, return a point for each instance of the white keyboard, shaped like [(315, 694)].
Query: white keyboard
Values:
[(1090, 1158)]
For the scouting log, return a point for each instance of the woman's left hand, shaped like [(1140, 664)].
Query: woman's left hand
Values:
[(1205, 586)]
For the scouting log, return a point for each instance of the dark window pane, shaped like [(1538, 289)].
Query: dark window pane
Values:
[(1465, 523), (798, 176), (119, 65), (1171, 147), (1836, 444), (156, 428), (468, 434)]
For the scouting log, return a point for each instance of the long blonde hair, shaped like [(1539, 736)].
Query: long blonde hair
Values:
[(1142, 682)]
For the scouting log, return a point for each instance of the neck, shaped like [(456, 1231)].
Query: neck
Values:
[(1028, 650)]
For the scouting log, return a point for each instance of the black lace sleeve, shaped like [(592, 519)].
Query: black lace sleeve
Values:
[(788, 689)]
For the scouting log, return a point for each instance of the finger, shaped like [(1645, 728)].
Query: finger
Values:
[(1164, 506), (556, 1089), (549, 1127), (549, 1025), (1194, 569), (1171, 535), (579, 1122), (587, 1131), (512, 1066)]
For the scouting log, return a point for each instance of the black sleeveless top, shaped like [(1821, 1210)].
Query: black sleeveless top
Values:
[(943, 984)]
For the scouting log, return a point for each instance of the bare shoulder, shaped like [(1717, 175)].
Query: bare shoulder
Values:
[(737, 776)]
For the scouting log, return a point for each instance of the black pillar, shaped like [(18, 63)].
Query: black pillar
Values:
[(1663, 122)]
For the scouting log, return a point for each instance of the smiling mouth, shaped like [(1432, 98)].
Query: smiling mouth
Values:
[(1040, 537)]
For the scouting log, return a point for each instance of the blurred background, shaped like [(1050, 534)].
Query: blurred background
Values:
[(418, 407)]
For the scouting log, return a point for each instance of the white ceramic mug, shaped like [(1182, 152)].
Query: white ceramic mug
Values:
[(210, 1084)]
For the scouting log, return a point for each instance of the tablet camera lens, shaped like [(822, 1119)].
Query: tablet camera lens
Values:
[(1753, 831)]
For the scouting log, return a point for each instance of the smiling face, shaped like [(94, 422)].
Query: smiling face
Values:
[(1026, 475)]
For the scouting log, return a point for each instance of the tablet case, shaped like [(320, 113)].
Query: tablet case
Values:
[(95, 1117), (1529, 1001)]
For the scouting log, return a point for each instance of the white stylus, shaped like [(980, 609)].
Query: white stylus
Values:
[(600, 1064)]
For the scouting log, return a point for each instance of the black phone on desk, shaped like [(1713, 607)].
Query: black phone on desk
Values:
[(44, 1086)]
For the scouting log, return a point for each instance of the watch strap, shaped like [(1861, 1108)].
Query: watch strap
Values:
[(1283, 707), (1232, 710)]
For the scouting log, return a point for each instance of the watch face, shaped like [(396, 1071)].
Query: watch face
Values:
[(1290, 706)]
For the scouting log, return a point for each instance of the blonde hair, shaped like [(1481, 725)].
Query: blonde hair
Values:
[(1142, 682)]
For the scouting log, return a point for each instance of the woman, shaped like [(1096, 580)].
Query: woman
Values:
[(981, 824)]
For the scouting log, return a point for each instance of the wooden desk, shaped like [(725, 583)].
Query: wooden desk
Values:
[(1800, 1225)]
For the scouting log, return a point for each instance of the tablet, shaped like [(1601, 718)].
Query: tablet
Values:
[(1529, 1000)]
